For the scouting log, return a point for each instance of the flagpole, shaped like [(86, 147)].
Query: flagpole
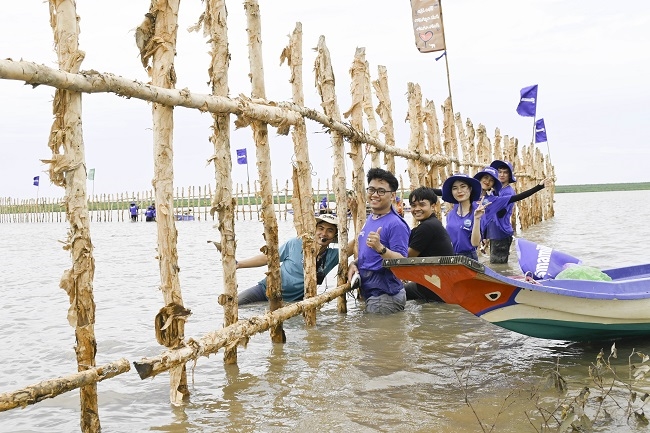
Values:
[(444, 43)]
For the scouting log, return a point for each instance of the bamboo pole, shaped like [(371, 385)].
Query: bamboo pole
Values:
[(233, 335), (302, 200), (69, 171), (325, 86), (51, 388), (159, 47), (263, 155)]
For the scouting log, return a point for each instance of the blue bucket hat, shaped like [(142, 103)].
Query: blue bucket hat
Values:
[(473, 183), (490, 171), (504, 164)]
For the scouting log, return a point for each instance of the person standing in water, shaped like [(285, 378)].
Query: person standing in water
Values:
[(385, 235)]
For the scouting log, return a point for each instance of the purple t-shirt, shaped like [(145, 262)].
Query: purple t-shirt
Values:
[(500, 227), (375, 279), (460, 227)]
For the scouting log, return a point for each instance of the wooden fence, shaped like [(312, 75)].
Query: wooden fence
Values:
[(433, 152)]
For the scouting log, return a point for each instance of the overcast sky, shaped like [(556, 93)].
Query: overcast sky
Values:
[(590, 59)]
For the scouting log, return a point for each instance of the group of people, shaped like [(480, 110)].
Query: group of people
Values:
[(482, 209), (149, 214)]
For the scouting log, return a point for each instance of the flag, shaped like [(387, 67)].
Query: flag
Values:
[(242, 158), (528, 102), (91, 174), (444, 53), (427, 25), (36, 180), (541, 261), (540, 131)]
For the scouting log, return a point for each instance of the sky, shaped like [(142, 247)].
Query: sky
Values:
[(590, 59)]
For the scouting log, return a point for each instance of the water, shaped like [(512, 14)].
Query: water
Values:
[(407, 372)]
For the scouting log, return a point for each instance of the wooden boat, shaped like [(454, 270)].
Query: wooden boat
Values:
[(573, 310), (184, 217)]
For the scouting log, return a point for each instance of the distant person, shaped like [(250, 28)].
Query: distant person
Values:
[(385, 235), (150, 213), (133, 210), (399, 206), (428, 239), (291, 264), (324, 208)]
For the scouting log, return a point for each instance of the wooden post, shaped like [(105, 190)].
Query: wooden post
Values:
[(70, 172), (327, 91), (223, 204), (356, 120), (416, 169), (385, 112), (263, 154), (302, 200), (160, 46)]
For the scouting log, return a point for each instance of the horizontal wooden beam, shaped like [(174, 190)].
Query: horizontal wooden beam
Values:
[(230, 336), (53, 387)]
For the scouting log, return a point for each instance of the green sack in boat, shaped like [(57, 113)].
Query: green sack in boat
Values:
[(581, 272)]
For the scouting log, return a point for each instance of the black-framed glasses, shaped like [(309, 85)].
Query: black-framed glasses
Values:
[(380, 191)]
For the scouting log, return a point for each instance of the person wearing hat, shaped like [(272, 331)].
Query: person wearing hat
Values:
[(385, 235), (464, 190), (428, 239), (291, 266), (133, 210), (489, 179), (399, 206), (463, 220), (499, 231)]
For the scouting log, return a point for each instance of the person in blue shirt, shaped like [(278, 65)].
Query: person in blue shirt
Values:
[(133, 210), (385, 235), (499, 231), (150, 213), (464, 220), (291, 266)]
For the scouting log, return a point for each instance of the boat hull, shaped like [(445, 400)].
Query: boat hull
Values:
[(557, 309)]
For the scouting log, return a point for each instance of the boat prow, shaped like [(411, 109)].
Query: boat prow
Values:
[(574, 310)]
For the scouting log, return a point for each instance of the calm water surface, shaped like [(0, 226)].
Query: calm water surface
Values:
[(408, 372)]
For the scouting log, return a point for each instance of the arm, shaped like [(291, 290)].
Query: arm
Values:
[(544, 183), (253, 262), (476, 228)]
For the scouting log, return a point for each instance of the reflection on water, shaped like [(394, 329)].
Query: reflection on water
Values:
[(409, 372)]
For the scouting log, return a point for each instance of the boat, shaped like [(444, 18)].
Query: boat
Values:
[(184, 217), (557, 309)]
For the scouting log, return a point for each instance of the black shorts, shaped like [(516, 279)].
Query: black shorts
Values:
[(500, 250)]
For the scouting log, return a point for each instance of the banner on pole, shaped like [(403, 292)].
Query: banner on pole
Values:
[(36, 180), (242, 157), (528, 101), (540, 131), (427, 25), (91, 174)]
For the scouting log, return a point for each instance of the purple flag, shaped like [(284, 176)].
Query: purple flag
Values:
[(540, 131), (542, 262), (242, 158), (36, 180), (528, 102)]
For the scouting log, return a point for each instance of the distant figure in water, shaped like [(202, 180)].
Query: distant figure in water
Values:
[(134, 211), (150, 214), (324, 208), (399, 206)]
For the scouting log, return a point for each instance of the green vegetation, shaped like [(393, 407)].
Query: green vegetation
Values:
[(598, 187)]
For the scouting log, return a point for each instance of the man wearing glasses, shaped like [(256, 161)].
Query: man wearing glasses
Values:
[(385, 235)]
